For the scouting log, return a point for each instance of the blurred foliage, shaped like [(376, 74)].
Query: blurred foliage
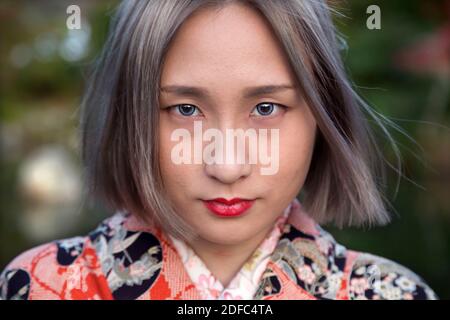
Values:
[(39, 98), (419, 235), (40, 92)]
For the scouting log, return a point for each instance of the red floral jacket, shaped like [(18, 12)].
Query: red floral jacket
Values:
[(126, 259)]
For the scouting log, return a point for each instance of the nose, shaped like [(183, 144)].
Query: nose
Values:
[(233, 166), (228, 173)]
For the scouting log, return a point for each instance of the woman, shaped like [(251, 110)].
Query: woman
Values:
[(190, 226)]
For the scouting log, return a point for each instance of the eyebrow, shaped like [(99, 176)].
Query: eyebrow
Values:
[(249, 92)]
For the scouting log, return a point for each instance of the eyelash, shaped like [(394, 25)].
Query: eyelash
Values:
[(176, 107)]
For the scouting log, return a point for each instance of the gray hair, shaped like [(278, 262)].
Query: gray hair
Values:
[(120, 114)]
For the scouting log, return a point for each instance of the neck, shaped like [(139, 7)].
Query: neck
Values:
[(225, 261)]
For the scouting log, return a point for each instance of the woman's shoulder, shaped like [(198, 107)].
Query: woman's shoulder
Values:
[(374, 277), (348, 274), (41, 270), (67, 268)]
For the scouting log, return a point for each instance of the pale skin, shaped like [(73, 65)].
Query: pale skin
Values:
[(224, 52)]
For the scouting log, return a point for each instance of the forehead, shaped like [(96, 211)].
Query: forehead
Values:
[(231, 46)]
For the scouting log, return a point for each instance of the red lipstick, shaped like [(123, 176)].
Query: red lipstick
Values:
[(228, 208)]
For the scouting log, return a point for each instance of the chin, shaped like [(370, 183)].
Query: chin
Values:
[(227, 235), (224, 240)]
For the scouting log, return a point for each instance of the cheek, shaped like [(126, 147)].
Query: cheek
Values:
[(297, 139), (176, 177), (164, 148), (173, 175)]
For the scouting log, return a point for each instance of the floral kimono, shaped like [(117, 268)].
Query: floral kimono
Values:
[(126, 259)]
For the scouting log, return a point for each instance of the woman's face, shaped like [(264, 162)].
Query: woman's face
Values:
[(224, 53)]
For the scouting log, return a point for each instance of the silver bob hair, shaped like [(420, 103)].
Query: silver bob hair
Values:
[(120, 114)]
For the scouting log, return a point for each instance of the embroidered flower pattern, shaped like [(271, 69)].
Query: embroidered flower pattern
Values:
[(118, 260), (373, 277)]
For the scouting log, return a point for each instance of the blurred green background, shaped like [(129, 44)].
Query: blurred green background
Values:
[(403, 70)]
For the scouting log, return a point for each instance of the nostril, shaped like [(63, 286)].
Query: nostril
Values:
[(227, 173)]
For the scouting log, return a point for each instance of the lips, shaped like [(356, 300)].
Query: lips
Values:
[(228, 208)]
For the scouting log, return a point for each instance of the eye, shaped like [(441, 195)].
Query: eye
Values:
[(186, 110), (267, 108)]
